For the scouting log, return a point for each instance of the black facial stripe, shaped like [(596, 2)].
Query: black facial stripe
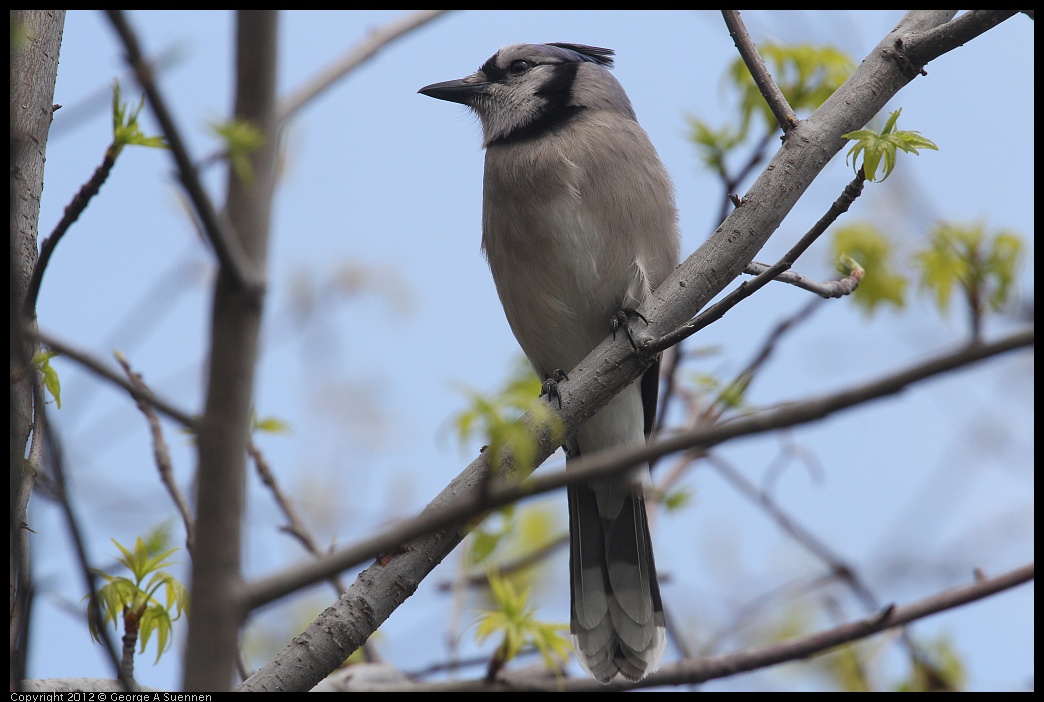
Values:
[(550, 120), (558, 87), (495, 73), (491, 70), (556, 94)]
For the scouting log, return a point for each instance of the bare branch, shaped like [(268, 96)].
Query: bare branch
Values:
[(838, 567), (360, 53), (762, 78), (161, 453), (826, 290), (295, 527), (697, 670), (891, 616), (764, 277), (90, 577), (921, 47), (229, 250), (100, 369), (72, 212)]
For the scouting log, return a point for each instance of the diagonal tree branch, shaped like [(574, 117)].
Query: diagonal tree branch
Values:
[(759, 71), (141, 394), (230, 252), (360, 53)]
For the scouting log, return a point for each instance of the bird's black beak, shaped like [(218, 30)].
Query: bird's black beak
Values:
[(461, 91)]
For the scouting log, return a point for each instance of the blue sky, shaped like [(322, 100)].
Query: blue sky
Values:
[(381, 307)]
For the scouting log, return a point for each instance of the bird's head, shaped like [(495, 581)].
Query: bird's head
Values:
[(525, 90)]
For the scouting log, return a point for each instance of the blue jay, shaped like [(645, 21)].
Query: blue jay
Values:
[(579, 224)]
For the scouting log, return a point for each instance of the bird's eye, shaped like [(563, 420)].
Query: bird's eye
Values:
[(519, 66)]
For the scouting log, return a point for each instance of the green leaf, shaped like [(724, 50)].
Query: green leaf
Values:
[(515, 621), (713, 146), (880, 148), (496, 419), (882, 284), (113, 598), (982, 266), (806, 75), (241, 139), (729, 395), (125, 128), (42, 362), (677, 499), (487, 537), (155, 619), (272, 425), (122, 595)]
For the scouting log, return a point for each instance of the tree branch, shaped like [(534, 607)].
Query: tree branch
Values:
[(921, 47), (360, 53), (161, 453), (227, 247), (762, 78), (845, 285), (697, 670), (142, 394), (71, 213), (748, 287), (224, 430), (36, 39), (90, 577)]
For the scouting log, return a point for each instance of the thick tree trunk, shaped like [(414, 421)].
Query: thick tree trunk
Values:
[(36, 37)]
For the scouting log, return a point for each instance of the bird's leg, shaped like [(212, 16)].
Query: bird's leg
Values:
[(550, 386), (623, 319)]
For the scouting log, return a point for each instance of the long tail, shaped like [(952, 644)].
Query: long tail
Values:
[(616, 618)]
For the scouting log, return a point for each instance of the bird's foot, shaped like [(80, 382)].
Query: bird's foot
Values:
[(623, 319), (550, 386)]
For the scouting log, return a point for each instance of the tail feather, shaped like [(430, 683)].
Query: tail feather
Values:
[(617, 617)]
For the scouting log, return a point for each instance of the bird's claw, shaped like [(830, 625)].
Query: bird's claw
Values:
[(550, 386), (623, 319)]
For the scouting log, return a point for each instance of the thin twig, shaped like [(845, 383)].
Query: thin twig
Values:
[(891, 616), (697, 670), (829, 289), (745, 377), (72, 212), (377, 39), (731, 183), (90, 577), (295, 527), (749, 287), (21, 563), (669, 365), (527, 560), (838, 567), (762, 78), (227, 247), (99, 368), (161, 453)]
